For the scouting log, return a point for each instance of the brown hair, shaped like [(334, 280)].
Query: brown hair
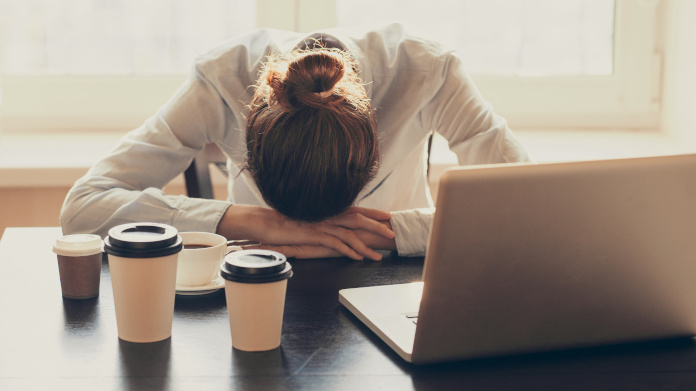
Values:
[(311, 134)]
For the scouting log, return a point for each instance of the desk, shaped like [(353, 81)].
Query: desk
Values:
[(47, 342)]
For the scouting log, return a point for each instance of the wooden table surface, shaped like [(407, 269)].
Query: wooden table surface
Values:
[(51, 343)]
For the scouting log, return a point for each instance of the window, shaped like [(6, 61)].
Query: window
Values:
[(544, 63), (507, 37), (102, 64), (126, 37), (108, 64)]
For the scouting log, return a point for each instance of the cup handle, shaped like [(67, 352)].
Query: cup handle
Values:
[(241, 243), (231, 248)]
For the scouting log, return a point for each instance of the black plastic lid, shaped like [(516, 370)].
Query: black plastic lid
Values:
[(255, 266), (143, 240)]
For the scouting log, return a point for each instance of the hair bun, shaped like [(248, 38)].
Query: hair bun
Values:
[(311, 79)]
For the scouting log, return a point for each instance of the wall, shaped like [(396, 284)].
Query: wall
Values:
[(679, 67), (30, 206)]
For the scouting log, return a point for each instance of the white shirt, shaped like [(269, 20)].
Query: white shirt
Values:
[(415, 86)]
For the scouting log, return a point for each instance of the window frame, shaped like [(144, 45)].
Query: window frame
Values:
[(629, 98)]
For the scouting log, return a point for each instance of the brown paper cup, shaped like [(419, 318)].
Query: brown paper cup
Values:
[(80, 275)]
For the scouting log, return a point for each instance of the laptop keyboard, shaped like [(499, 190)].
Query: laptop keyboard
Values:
[(412, 316)]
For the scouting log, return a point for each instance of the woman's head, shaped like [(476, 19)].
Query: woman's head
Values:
[(311, 134)]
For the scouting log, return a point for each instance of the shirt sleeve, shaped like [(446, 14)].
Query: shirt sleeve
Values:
[(474, 132), (126, 185), (412, 229)]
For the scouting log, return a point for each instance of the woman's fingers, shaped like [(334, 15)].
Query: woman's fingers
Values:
[(348, 237), (364, 219), (342, 229), (355, 221), (342, 245), (374, 214)]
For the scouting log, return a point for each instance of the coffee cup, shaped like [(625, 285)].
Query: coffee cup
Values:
[(255, 286), (143, 262), (79, 265), (200, 260)]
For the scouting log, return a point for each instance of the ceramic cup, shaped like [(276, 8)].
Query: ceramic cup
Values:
[(79, 265), (255, 285), (201, 257), (142, 262)]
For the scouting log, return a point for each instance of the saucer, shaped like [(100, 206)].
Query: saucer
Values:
[(211, 287), (196, 293)]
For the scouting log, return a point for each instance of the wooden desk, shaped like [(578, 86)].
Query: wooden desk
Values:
[(47, 342)]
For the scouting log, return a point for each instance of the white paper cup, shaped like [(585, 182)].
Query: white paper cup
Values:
[(144, 292), (201, 265), (255, 286), (142, 262)]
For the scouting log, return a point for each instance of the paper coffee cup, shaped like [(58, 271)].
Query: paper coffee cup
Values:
[(142, 263), (255, 286), (200, 260), (79, 265)]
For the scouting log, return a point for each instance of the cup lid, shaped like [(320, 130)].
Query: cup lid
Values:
[(255, 266), (78, 245), (143, 240)]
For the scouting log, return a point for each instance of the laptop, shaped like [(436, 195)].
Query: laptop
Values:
[(527, 258)]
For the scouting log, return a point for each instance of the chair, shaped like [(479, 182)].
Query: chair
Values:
[(197, 175)]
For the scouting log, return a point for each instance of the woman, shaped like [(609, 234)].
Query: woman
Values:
[(332, 138)]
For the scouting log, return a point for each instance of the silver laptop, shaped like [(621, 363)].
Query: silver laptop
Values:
[(528, 258)]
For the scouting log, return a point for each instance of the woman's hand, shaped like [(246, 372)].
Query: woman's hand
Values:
[(345, 234), (372, 240)]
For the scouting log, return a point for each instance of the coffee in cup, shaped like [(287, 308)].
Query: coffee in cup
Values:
[(79, 265), (143, 262), (195, 246), (255, 286), (200, 260)]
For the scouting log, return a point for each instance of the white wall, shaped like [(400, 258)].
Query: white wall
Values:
[(679, 83)]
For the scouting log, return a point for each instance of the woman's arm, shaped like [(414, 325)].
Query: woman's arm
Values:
[(474, 132), (126, 185), (355, 233)]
